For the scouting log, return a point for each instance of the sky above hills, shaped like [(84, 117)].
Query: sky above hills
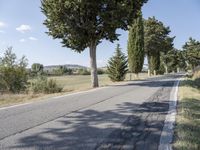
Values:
[(21, 26)]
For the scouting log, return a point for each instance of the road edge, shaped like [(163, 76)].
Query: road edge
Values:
[(168, 129)]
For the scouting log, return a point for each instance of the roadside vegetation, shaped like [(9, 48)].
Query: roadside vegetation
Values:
[(148, 38), (187, 129)]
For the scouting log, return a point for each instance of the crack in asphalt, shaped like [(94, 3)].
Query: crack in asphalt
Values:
[(138, 130)]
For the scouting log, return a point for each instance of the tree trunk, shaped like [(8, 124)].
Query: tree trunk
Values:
[(93, 65), (149, 72), (166, 69), (178, 70), (130, 76), (154, 72)]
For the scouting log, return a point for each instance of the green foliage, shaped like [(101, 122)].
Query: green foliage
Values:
[(62, 70), (191, 51), (13, 72), (83, 72), (43, 85), (37, 68), (78, 23), (161, 69), (154, 62), (136, 45), (117, 66), (100, 71), (156, 42), (85, 23)]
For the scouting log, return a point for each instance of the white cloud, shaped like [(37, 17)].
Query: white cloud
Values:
[(23, 28), (2, 24), (33, 38), (22, 40)]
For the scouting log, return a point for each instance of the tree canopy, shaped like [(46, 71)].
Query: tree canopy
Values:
[(191, 50), (85, 23), (157, 40), (79, 22)]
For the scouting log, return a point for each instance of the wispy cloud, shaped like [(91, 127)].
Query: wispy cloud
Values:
[(23, 28), (22, 40), (33, 38), (2, 24)]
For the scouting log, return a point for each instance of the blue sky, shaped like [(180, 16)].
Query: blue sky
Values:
[(21, 27)]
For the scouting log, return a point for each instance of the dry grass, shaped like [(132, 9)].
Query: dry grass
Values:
[(70, 84), (187, 130), (83, 82)]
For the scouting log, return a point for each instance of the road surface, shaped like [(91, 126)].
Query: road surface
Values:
[(128, 116)]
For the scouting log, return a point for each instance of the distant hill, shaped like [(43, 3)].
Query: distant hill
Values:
[(70, 66)]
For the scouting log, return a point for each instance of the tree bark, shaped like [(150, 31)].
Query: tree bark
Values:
[(93, 65), (166, 69), (149, 72), (130, 76), (154, 72)]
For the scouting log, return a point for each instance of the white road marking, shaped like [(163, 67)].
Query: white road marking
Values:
[(168, 129)]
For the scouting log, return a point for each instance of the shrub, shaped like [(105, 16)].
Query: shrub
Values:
[(43, 85), (100, 71), (13, 73), (83, 72)]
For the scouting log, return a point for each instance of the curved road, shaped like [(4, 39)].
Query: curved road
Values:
[(128, 116)]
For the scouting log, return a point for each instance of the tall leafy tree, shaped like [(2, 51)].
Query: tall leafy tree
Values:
[(117, 66), (191, 50), (136, 46), (155, 39), (82, 24), (167, 46)]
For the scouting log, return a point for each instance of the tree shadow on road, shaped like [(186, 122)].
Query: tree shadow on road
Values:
[(129, 126)]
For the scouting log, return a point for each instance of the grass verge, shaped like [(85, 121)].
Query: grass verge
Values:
[(187, 129), (70, 84)]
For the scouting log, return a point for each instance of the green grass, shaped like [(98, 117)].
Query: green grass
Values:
[(187, 129)]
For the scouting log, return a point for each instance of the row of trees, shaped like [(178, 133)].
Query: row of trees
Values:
[(151, 38)]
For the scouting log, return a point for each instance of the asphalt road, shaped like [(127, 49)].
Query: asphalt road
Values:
[(129, 116)]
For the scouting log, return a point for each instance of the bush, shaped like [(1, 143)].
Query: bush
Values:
[(83, 72), (100, 71), (13, 73), (43, 85)]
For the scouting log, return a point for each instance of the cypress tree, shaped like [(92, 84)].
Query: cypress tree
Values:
[(117, 66), (136, 45)]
